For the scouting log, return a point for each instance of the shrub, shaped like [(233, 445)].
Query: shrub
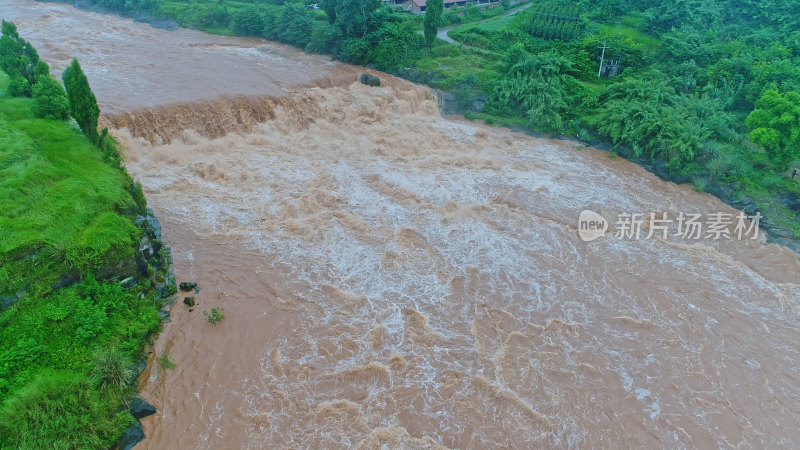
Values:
[(772, 180), (50, 100), (467, 90), (323, 38), (138, 198), (700, 184), (451, 18), (19, 87), (112, 368), (720, 166), (91, 320), (164, 363), (216, 315)]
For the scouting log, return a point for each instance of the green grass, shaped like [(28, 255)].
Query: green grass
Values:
[(45, 412), (164, 363), (65, 354), (57, 194), (629, 33), (498, 24)]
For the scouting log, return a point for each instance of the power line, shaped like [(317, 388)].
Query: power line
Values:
[(602, 55)]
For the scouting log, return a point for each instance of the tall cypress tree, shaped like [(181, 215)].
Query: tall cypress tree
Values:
[(329, 6), (82, 102), (433, 18)]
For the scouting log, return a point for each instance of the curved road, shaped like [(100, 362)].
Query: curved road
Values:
[(442, 33)]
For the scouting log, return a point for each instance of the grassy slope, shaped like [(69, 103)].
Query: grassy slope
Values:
[(62, 210)]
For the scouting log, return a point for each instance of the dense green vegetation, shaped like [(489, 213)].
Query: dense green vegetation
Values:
[(69, 328)]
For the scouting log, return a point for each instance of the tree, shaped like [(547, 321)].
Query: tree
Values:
[(352, 16), (249, 21), (535, 89), (12, 51), (41, 69), (295, 25), (20, 61), (329, 6), (395, 45), (324, 37), (82, 102), (50, 100), (775, 125), (433, 18), (646, 114)]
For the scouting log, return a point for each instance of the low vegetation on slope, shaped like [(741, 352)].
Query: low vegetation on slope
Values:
[(78, 267)]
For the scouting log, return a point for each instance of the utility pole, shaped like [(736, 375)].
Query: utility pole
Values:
[(602, 55)]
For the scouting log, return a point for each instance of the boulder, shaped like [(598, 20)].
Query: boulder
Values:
[(67, 279), (7, 300), (140, 408), (370, 80), (132, 436)]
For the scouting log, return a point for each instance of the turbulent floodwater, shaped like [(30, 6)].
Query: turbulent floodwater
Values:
[(393, 278), (132, 65)]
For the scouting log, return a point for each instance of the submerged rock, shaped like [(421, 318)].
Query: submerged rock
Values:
[(7, 300), (186, 287), (132, 436), (370, 80)]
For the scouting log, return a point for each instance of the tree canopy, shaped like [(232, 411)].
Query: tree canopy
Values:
[(82, 102), (433, 18), (775, 126), (49, 99)]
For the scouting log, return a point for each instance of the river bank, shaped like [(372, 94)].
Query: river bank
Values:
[(85, 281)]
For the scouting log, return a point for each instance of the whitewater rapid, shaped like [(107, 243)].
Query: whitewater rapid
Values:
[(417, 281)]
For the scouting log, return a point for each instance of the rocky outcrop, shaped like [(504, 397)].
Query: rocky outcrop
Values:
[(140, 408), (153, 263), (132, 436)]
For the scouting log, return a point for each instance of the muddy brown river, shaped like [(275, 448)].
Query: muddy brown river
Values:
[(395, 279)]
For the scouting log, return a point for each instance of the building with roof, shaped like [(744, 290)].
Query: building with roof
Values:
[(418, 6)]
